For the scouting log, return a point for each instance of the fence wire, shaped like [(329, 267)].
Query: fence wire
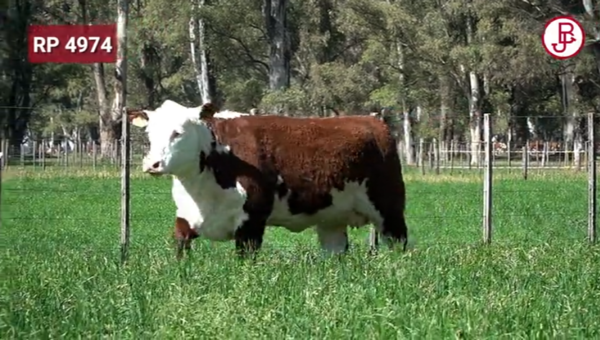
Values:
[(74, 195), (428, 155)]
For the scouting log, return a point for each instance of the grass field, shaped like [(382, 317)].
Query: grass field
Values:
[(60, 279)]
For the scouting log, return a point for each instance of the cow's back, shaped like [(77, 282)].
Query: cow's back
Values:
[(310, 148), (304, 162)]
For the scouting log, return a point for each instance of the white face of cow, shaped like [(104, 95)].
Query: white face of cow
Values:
[(177, 136)]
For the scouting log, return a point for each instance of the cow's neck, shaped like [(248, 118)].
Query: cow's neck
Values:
[(195, 179), (201, 176), (192, 183)]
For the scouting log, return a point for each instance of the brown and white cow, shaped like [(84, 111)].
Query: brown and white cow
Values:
[(233, 177)]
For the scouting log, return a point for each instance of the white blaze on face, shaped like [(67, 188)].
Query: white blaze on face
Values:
[(176, 136)]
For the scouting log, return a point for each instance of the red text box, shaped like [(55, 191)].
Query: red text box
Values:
[(80, 44)]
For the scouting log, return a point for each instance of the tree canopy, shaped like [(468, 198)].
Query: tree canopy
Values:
[(437, 65)]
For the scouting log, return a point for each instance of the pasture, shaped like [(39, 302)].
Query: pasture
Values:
[(60, 275)]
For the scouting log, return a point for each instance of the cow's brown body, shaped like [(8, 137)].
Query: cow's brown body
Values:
[(312, 156)]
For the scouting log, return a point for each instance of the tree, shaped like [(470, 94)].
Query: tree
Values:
[(435, 65), (276, 25), (200, 54), (17, 71)]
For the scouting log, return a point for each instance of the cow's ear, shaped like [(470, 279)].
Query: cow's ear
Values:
[(138, 117), (207, 110)]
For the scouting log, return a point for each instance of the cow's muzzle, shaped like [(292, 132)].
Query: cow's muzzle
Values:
[(154, 168)]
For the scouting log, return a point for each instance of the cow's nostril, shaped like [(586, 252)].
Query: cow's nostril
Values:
[(155, 165)]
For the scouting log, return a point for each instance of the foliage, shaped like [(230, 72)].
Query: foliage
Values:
[(354, 56)]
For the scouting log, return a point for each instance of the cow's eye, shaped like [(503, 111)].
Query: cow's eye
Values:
[(175, 135)]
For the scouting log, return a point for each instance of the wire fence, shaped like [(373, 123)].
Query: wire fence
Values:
[(455, 193), (68, 155), (430, 155)]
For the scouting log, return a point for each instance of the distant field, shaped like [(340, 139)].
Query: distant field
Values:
[(59, 276)]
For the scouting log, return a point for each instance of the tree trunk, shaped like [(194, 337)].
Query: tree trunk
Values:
[(577, 149), (275, 15), (475, 117), (409, 145), (19, 102), (200, 55), (593, 13), (108, 120), (475, 102), (17, 116), (570, 112), (445, 105), (148, 62)]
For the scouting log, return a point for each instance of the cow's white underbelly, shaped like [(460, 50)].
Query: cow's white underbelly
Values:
[(216, 214), (351, 207), (212, 212)]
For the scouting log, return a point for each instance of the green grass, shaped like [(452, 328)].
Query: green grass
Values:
[(60, 279)]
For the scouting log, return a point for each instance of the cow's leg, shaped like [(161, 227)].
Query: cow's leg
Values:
[(182, 244), (394, 230), (249, 236), (333, 240), (183, 235)]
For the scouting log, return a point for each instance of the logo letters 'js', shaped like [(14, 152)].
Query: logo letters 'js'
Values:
[(565, 37)]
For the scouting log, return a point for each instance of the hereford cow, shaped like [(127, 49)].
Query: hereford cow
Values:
[(233, 177)]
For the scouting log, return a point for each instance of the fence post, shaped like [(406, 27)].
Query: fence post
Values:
[(537, 153), (545, 154), (461, 154), (121, 89), (443, 149), (508, 154), (436, 155), (43, 154), (6, 154), (430, 155), (480, 156), (577, 155), (125, 187), (2, 155), (469, 153), (452, 151), (2, 141), (94, 156), (591, 179), (422, 155), (80, 150), (487, 180), (34, 155), (525, 159), (66, 152), (22, 156)]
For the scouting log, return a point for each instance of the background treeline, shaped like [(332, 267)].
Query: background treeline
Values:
[(433, 66)]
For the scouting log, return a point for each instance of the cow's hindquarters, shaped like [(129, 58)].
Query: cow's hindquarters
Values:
[(386, 191)]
